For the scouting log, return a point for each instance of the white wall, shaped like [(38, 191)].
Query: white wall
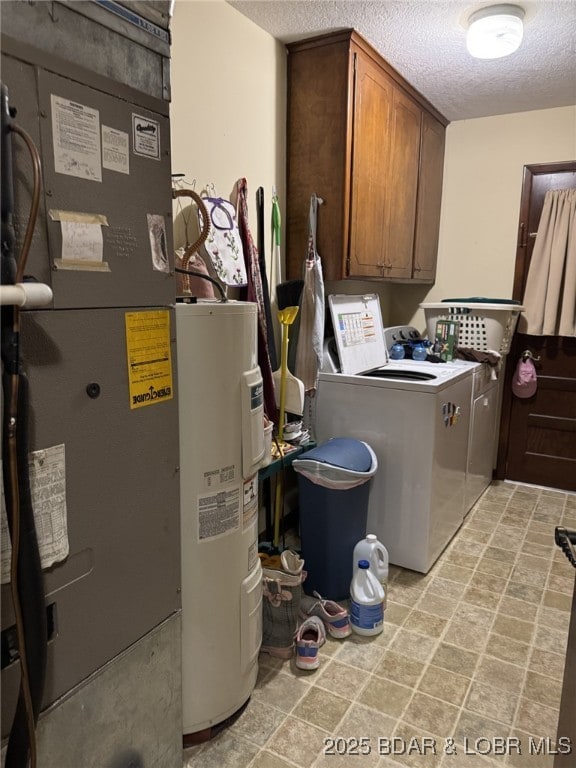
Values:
[(228, 111), (483, 173), (229, 120)]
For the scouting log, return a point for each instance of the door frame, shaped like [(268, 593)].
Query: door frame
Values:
[(524, 248)]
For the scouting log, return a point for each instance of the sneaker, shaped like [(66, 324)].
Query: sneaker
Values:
[(309, 637), (335, 617)]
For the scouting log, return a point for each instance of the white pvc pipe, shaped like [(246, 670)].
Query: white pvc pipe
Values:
[(29, 295)]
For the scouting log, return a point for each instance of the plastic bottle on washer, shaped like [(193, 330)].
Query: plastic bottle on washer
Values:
[(366, 601)]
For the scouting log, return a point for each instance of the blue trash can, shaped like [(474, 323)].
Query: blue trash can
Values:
[(334, 488)]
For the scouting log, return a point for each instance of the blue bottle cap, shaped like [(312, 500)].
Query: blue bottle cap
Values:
[(363, 564)]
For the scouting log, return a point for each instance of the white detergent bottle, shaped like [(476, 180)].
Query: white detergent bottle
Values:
[(366, 601), (377, 555)]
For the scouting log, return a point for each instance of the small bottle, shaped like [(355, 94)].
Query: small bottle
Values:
[(419, 352), (397, 351), (377, 555), (366, 601)]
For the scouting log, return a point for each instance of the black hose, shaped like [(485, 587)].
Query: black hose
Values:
[(30, 583), (204, 277)]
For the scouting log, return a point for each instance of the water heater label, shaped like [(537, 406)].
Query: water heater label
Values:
[(148, 356), (219, 513)]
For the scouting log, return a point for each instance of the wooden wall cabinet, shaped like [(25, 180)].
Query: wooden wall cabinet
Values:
[(372, 148)]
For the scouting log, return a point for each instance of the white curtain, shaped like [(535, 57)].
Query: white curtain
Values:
[(550, 293)]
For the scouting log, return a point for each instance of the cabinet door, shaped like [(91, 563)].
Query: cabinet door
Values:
[(429, 198), (403, 186), (373, 100)]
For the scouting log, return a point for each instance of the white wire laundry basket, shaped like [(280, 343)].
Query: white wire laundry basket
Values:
[(483, 325)]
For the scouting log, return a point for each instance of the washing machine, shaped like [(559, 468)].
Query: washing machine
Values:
[(415, 416)]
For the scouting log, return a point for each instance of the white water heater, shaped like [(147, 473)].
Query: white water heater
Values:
[(220, 397)]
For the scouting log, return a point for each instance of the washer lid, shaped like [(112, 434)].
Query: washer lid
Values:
[(358, 331)]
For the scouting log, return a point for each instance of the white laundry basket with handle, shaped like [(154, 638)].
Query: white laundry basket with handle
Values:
[(485, 324)]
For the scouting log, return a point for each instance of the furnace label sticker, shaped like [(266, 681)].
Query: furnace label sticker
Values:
[(115, 150), (149, 357), (146, 137), (157, 236), (47, 469), (76, 139), (219, 513)]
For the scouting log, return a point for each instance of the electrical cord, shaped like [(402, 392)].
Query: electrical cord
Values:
[(223, 297), (22, 741)]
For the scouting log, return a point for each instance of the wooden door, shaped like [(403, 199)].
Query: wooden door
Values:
[(432, 143), (538, 434), (403, 186), (371, 158)]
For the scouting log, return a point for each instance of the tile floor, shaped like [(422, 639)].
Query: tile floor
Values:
[(472, 655)]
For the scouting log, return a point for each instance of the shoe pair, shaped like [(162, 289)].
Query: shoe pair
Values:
[(334, 617), (319, 616)]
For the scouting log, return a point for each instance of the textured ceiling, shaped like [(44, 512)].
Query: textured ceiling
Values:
[(425, 41)]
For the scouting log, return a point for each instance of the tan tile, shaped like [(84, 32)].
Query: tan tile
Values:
[(258, 722), (495, 568), (269, 760), (455, 573), (282, 691), (523, 575), (321, 708), (561, 583), (481, 525), (482, 598), (472, 726), (448, 687), (439, 606), (413, 645), (404, 595), (536, 718), (360, 722), (399, 668), (490, 702), (465, 561), (500, 674), (412, 580), (548, 639), (488, 582), (449, 590), (514, 628), (420, 748), (542, 689), (502, 555), (224, 751), (559, 600), (507, 537), (341, 679), (533, 752), (547, 663), (553, 618), (396, 613), (482, 536), (425, 623), (385, 696), (524, 592), (540, 549), (362, 652), (457, 660), (298, 742), (507, 649), (511, 606), (462, 633), (430, 714)]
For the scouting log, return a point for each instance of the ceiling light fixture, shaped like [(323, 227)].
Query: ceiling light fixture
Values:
[(495, 31)]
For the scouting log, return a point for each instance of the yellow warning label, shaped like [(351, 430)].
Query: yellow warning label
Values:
[(148, 357)]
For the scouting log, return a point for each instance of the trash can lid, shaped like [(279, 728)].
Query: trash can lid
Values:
[(342, 452)]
